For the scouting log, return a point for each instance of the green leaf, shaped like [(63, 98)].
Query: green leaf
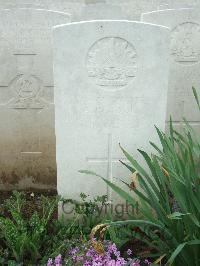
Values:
[(134, 163), (171, 130), (131, 169), (156, 148), (177, 215), (176, 253), (143, 223), (180, 248), (123, 194), (196, 96)]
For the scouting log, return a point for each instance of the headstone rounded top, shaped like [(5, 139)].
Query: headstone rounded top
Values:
[(100, 23), (166, 10), (34, 16)]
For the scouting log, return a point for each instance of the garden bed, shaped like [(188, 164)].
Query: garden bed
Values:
[(32, 198)]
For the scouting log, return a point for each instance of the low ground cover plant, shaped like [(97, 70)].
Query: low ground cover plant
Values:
[(34, 238), (31, 237), (24, 238), (87, 213)]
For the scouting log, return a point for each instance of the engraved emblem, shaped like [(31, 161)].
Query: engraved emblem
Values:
[(26, 89), (111, 62), (185, 47)]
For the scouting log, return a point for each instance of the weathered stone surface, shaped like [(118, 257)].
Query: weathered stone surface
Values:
[(166, 4), (74, 8), (111, 81), (184, 60), (102, 11), (132, 8), (27, 137)]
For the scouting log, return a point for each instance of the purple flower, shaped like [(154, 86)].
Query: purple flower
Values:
[(74, 251), (86, 263), (112, 263), (147, 262), (107, 254), (135, 264), (50, 262), (58, 260), (112, 248), (129, 252)]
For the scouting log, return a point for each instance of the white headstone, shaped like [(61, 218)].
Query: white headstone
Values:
[(134, 8), (110, 87), (67, 6), (27, 134), (184, 60)]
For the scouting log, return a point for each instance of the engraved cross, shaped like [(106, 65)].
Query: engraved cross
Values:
[(109, 160)]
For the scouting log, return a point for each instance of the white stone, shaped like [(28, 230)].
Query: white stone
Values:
[(134, 8), (27, 137), (131, 8), (111, 81), (168, 4), (102, 11), (67, 6), (184, 60)]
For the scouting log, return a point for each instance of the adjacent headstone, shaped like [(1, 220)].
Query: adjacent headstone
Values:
[(184, 61), (73, 7), (131, 8), (134, 8), (168, 4), (94, 1), (27, 137), (111, 81), (102, 11)]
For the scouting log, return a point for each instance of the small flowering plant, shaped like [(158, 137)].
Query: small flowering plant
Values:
[(96, 253)]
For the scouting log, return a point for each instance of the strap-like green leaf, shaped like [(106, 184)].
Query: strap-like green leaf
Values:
[(196, 96), (180, 248), (126, 196)]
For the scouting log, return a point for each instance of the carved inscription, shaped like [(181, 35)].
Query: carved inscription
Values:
[(185, 47), (111, 62), (26, 89)]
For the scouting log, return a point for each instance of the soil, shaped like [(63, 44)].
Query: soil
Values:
[(138, 248)]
